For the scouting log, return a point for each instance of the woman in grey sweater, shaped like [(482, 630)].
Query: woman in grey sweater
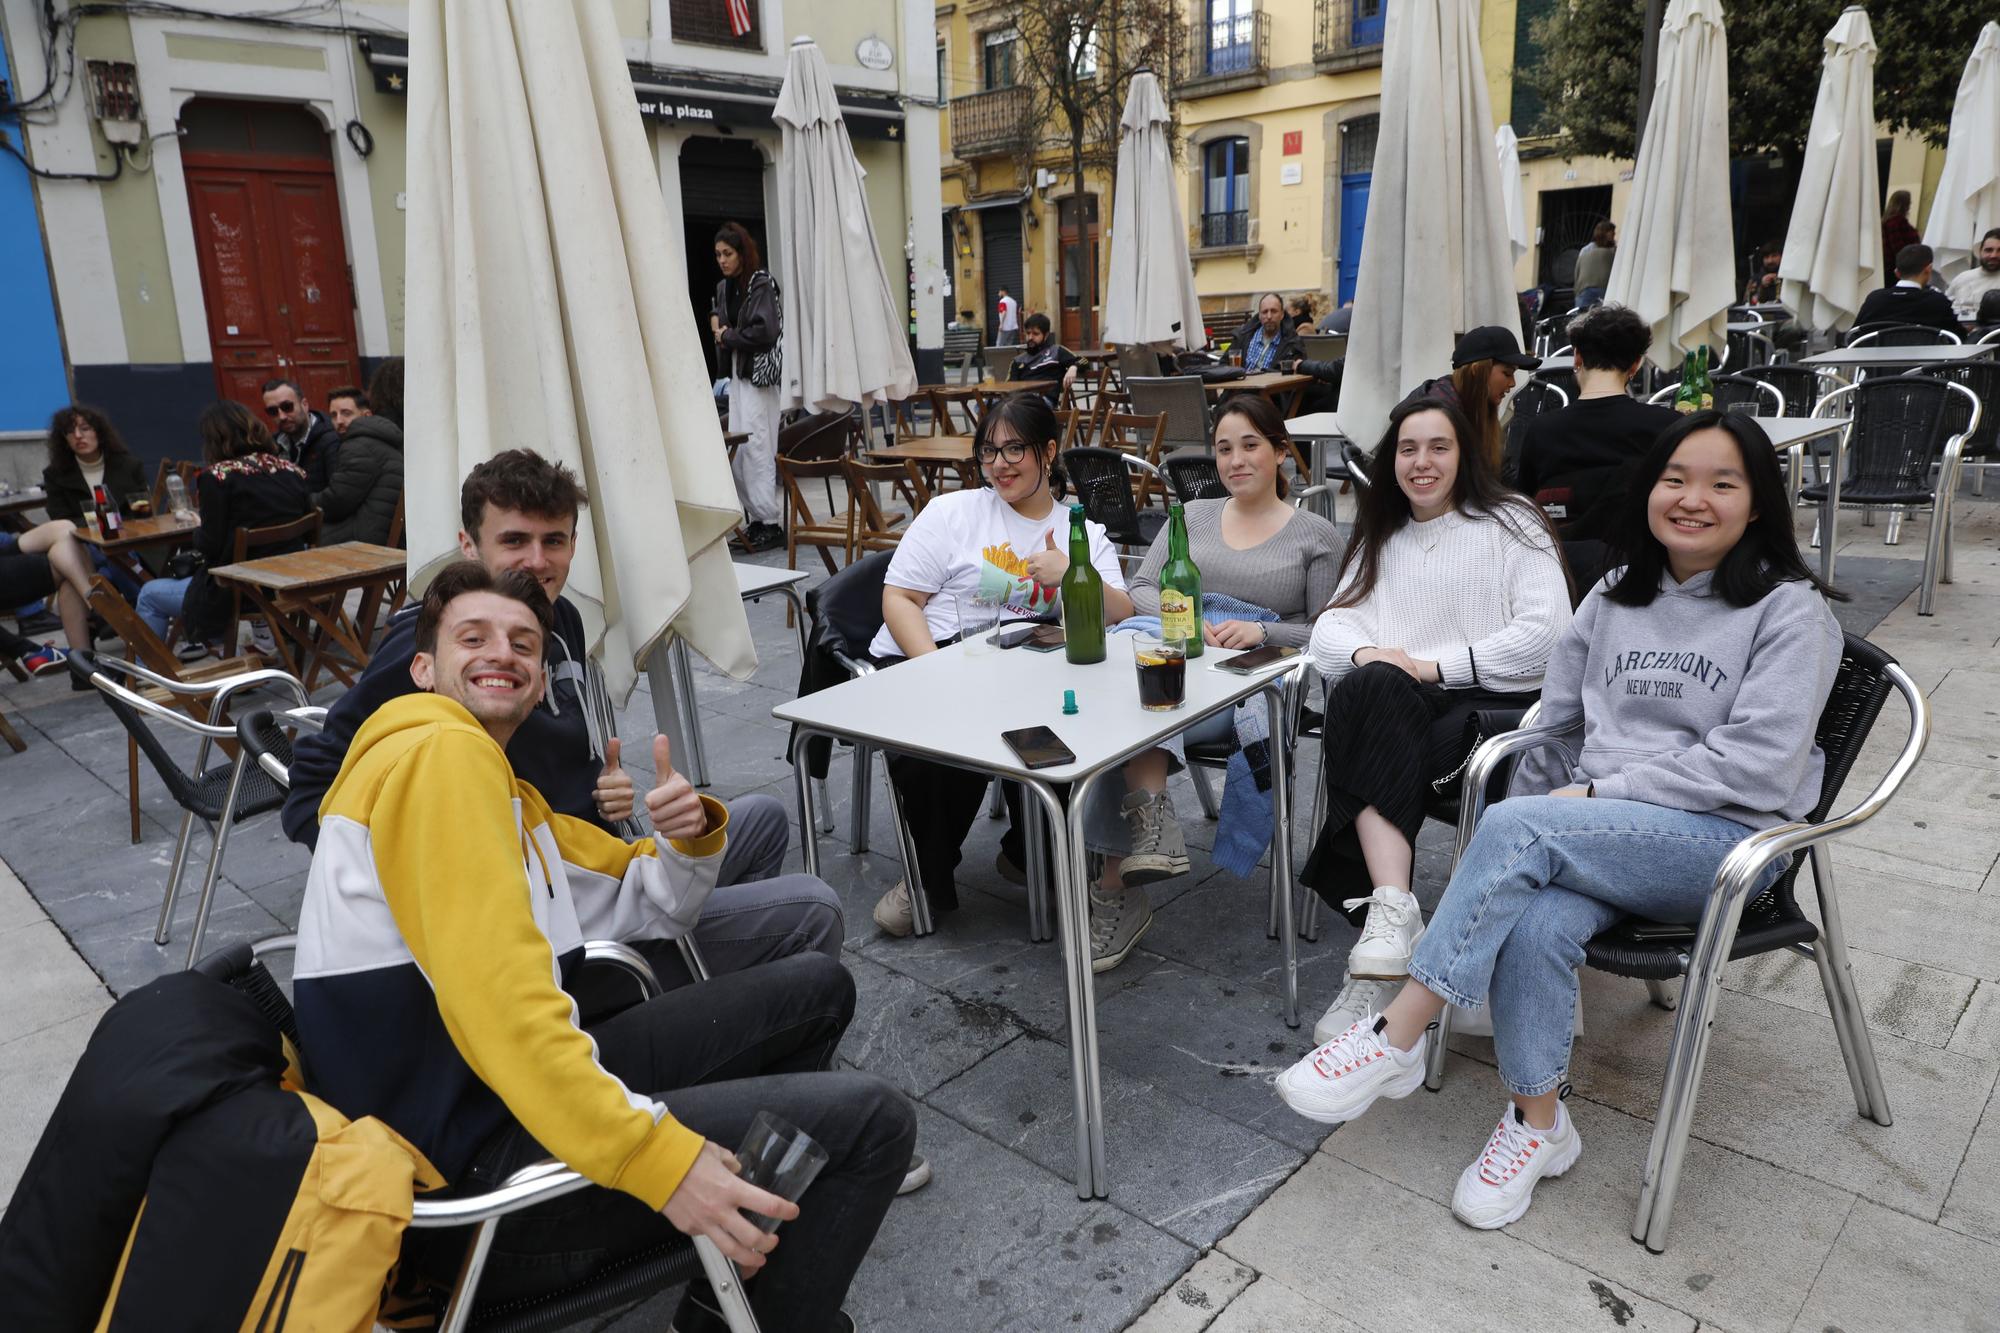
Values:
[(1257, 548), (1690, 682)]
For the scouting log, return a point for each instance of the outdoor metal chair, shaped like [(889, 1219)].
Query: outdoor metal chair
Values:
[(1735, 393), (1323, 346), (1103, 480), (673, 1261), (1552, 332), (1799, 387), (220, 796), (1742, 349), (1561, 379), (1903, 426), (1735, 925), (1140, 436), (1901, 335), (1193, 475), (1530, 401), (1982, 440), (1182, 400)]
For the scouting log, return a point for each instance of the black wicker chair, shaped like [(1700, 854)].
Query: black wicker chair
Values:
[(1982, 380), (1193, 475), (1899, 335), (1101, 479), (667, 1264), (1800, 386), (1530, 401), (1734, 925)]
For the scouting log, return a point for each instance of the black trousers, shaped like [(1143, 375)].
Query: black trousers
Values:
[(1387, 737), (717, 1053), (939, 804)]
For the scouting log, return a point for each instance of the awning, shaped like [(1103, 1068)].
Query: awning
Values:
[(1004, 201), (682, 96)]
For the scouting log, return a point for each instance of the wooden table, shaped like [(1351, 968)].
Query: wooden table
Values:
[(303, 595), (138, 534), (947, 449), (1270, 385)]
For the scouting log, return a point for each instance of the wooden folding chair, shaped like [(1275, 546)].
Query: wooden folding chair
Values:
[(874, 528), (836, 531), (252, 542)]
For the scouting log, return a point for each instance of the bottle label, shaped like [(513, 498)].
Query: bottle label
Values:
[(1177, 618)]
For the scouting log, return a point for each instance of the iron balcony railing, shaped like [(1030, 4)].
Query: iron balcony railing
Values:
[(989, 122), (1347, 34), (1226, 228), (1228, 50)]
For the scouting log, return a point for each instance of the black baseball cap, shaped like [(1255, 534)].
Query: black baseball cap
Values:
[(1491, 342)]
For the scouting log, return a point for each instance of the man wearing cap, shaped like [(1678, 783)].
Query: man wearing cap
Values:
[(1482, 375)]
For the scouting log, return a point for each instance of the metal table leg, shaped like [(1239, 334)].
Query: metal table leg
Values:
[(1036, 832), (695, 765), (1073, 909), (1278, 699), (808, 807)]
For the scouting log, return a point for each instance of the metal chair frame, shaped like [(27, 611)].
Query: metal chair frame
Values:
[(1706, 956), (1902, 335), (1758, 389), (220, 693)]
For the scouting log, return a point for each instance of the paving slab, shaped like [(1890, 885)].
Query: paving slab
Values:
[(122, 949), (1185, 1170), (1269, 1306), (997, 1243), (1895, 912), (34, 1070), (1387, 1258), (46, 982), (1710, 1269), (914, 1036), (1978, 1030), (1191, 1304), (1892, 1271), (1909, 1000), (1218, 925), (17, 906), (1973, 1206)]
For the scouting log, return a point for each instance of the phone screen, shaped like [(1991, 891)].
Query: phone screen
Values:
[(1244, 663), (1038, 747)]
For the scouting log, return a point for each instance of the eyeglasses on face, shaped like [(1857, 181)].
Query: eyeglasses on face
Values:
[(281, 409), (1013, 451)]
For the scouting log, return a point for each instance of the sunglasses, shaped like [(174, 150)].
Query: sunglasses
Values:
[(282, 409)]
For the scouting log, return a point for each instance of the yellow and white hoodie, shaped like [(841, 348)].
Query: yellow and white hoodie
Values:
[(446, 909)]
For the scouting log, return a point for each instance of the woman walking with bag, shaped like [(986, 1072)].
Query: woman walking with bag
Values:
[(747, 324)]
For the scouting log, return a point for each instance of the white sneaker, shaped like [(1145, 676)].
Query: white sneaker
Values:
[(1345, 1076), (1357, 1000), (1498, 1187), (1394, 925), (894, 914)]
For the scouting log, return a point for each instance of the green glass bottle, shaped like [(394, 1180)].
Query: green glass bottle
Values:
[(1702, 384), (1180, 587), (1082, 597), (1687, 398)]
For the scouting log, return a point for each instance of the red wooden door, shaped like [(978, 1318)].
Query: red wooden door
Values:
[(273, 275)]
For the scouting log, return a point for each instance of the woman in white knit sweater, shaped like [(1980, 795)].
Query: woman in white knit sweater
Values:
[(1452, 595)]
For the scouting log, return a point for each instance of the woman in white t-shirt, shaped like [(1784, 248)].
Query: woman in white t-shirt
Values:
[(968, 559)]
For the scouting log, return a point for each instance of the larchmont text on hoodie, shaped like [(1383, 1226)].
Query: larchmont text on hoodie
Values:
[(1694, 666)]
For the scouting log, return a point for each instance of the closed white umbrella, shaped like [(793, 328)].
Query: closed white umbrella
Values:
[(1833, 249), (545, 314), (1149, 296), (846, 337), (1434, 256), (1967, 202), (1512, 206), (1672, 262)]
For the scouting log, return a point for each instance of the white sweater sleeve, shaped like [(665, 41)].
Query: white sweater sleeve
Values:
[(1536, 594)]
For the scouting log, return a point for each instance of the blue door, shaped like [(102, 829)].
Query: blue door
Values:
[(1353, 219), (32, 384), (1367, 30)]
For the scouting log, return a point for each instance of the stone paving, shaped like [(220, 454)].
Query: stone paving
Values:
[(1227, 1212)]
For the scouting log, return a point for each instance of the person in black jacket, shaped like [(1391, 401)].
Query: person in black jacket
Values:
[(245, 485), (1044, 357), (1266, 341), (366, 480), (746, 321), (85, 450), (302, 435), (1911, 300)]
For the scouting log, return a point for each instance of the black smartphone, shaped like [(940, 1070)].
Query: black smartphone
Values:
[(1045, 639), (1015, 635), (1245, 663), (1038, 747)]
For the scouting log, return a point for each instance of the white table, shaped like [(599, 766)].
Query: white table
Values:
[(920, 707), (1884, 358), (752, 582)]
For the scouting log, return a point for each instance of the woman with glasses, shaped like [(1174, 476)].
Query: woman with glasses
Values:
[(245, 485), (970, 558)]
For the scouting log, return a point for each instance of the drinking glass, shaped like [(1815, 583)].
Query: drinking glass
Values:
[(139, 504), (177, 498), (779, 1157), (1162, 668), (978, 612)]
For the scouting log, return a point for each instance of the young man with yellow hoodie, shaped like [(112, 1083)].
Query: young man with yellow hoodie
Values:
[(443, 923)]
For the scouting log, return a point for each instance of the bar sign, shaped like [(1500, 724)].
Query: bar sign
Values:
[(1294, 142)]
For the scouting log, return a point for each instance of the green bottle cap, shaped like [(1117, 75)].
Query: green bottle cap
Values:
[(1069, 696), (1076, 512)]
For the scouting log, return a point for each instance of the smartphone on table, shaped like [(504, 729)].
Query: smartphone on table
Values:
[(1038, 747), (1244, 663)]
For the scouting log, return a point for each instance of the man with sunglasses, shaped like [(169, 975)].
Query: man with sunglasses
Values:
[(303, 435)]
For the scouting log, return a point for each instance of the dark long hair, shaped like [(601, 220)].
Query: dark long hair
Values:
[(1381, 508), (1264, 418), (385, 390), (62, 458), (737, 237), (1766, 555), (1034, 424), (229, 430)]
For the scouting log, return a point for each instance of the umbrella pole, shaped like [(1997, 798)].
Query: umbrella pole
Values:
[(663, 680)]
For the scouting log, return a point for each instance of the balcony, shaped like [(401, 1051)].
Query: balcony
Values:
[(991, 122), (1347, 34), (1227, 55), (1219, 229)]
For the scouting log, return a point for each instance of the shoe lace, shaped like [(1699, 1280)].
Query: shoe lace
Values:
[(1352, 1049), (1104, 917), (1386, 914), (1512, 1144)]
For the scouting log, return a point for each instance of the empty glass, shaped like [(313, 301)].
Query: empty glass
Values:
[(977, 613), (781, 1158), (177, 498)]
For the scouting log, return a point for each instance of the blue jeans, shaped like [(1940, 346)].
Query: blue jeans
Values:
[(160, 601), (1541, 876), (1104, 828), (1589, 297)]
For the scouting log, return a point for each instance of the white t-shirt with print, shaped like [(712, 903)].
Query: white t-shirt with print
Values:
[(970, 542)]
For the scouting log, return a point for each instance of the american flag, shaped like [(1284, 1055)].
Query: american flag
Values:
[(739, 17)]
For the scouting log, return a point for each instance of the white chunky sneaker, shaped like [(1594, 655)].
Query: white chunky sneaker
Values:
[(1357, 999), (1498, 1187), (1345, 1076), (1388, 936)]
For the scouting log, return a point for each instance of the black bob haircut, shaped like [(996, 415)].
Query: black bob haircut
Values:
[(1766, 555)]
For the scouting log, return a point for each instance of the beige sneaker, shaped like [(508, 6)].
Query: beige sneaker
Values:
[(1117, 920), (893, 913)]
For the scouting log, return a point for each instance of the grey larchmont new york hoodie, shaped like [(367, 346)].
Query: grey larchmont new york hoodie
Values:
[(1692, 703)]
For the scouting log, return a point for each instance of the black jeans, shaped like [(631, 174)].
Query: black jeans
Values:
[(717, 1053), (939, 804)]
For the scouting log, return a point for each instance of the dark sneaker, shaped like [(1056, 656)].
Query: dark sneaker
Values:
[(1158, 849)]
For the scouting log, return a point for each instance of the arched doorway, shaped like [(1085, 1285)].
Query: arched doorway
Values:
[(274, 270)]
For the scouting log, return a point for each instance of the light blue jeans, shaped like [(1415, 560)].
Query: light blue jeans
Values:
[(160, 601), (1541, 876), (1104, 828)]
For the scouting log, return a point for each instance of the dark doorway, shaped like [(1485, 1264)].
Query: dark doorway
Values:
[(722, 180), (1081, 269), (1568, 218), (1000, 232)]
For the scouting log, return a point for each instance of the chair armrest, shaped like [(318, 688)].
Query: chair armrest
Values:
[(627, 960), (532, 1184)]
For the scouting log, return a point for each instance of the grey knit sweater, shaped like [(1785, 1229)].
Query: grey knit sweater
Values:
[(1292, 572)]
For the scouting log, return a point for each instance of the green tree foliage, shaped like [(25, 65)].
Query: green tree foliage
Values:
[(1588, 72)]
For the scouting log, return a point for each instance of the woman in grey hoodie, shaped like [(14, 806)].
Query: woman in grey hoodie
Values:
[(1689, 684)]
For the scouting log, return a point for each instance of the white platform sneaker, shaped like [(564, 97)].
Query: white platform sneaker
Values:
[(1498, 1187), (1344, 1077)]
